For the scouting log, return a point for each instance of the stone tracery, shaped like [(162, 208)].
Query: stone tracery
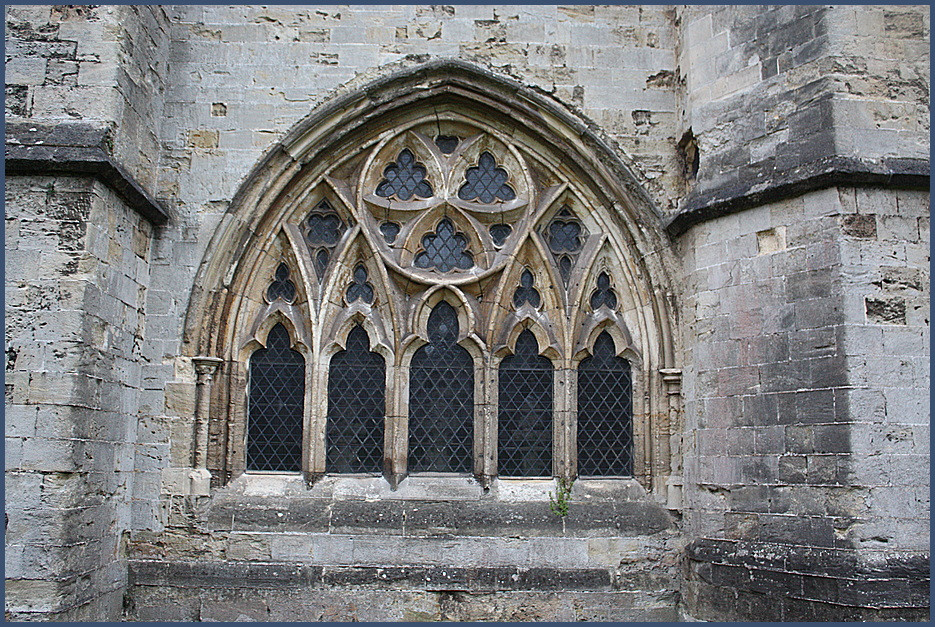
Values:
[(365, 247)]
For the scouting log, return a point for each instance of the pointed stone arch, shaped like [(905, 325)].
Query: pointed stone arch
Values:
[(549, 155)]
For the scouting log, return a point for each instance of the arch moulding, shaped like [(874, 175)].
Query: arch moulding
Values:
[(346, 133)]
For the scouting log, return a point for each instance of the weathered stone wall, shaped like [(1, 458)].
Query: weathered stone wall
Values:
[(105, 64), (800, 496), (781, 96), (77, 268), (77, 272), (437, 548)]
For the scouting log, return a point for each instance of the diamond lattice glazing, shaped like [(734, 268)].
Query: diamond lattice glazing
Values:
[(605, 412), (444, 249), (486, 182), (441, 399), (404, 178), (524, 440), (276, 405), (356, 407)]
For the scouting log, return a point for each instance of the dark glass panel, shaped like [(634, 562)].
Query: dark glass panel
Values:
[(605, 412), (359, 287), (356, 407), (447, 143), (524, 440), (441, 399), (276, 405), (499, 233), (390, 230), (404, 178), (323, 227), (281, 286), (564, 235), (526, 293), (321, 262), (564, 267), (486, 182), (604, 294), (444, 249)]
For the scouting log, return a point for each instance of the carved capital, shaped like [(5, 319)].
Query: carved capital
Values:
[(206, 365)]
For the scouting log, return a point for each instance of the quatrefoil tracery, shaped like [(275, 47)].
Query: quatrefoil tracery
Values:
[(323, 230)]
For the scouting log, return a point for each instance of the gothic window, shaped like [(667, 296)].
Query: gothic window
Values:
[(441, 399), (356, 407), (605, 414), (468, 274), (277, 392), (524, 441)]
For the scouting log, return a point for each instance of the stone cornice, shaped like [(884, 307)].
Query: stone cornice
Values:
[(759, 186), (76, 148)]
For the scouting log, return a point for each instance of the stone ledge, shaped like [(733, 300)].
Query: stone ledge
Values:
[(434, 518), (284, 575), (759, 184), (76, 149)]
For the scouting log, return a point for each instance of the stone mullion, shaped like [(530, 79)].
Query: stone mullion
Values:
[(565, 463), (486, 424), (396, 428), (315, 418)]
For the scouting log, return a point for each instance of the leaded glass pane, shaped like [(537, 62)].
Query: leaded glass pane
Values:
[(499, 233), (564, 235), (323, 227), (604, 294), (441, 399), (390, 230), (524, 440), (281, 286), (321, 262), (404, 178), (276, 405), (447, 143), (356, 407), (359, 287), (605, 412), (486, 182), (444, 249), (526, 293)]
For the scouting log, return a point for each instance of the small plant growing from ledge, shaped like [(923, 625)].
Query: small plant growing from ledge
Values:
[(559, 504)]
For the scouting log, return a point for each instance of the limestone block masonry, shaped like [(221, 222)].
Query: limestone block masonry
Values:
[(750, 182)]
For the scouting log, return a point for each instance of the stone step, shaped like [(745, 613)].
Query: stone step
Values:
[(205, 590)]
